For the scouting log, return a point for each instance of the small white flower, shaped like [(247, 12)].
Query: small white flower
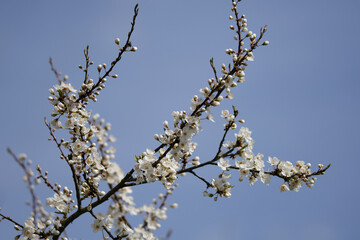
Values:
[(225, 113), (223, 164), (286, 168), (97, 225), (284, 188), (250, 56), (78, 147), (274, 161), (265, 178)]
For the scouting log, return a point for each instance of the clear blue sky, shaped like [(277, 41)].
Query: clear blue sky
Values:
[(300, 99)]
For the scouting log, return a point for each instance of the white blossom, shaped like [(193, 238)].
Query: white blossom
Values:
[(223, 164)]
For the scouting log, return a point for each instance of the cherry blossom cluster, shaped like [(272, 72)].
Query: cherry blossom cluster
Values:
[(98, 179), (179, 145), (115, 217)]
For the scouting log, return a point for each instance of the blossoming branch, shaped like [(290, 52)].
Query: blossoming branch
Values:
[(98, 179)]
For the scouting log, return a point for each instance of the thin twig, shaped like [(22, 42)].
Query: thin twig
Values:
[(118, 58), (11, 220), (57, 74), (74, 175), (28, 180), (201, 178)]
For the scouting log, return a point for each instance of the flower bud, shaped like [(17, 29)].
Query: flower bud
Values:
[(174, 205), (17, 228), (219, 98), (156, 136), (22, 157), (117, 41)]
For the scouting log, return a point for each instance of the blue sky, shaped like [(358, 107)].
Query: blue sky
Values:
[(300, 99)]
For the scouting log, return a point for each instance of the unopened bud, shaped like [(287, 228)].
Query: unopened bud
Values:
[(215, 103), (156, 136), (174, 205), (17, 228)]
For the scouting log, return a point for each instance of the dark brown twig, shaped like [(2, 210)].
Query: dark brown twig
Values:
[(11, 220), (201, 178), (117, 59)]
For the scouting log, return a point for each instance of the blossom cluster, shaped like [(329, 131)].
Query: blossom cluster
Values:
[(98, 178)]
